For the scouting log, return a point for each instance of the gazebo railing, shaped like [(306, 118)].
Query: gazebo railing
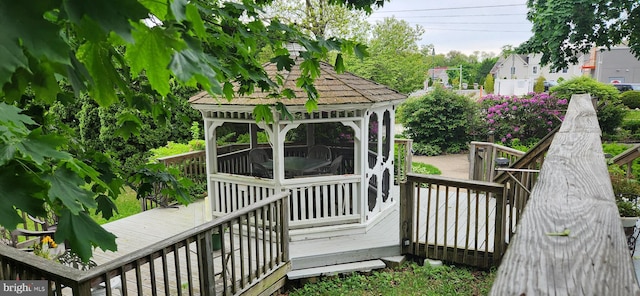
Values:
[(232, 192), (322, 201)]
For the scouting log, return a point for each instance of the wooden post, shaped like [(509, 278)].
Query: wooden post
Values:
[(472, 160), (499, 242), (570, 240), (406, 216)]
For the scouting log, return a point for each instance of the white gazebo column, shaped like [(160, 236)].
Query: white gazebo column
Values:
[(211, 155)]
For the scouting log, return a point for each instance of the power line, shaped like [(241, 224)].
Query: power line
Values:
[(453, 15), (477, 30), (452, 8), (470, 23)]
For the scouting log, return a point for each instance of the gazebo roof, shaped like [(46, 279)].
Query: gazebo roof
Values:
[(333, 89)]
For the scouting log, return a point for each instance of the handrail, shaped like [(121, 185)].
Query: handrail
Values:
[(570, 240), (15, 262), (627, 157), (482, 156)]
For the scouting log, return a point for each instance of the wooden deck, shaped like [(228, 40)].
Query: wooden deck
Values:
[(334, 245)]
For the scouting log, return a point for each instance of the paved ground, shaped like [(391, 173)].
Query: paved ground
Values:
[(451, 165)]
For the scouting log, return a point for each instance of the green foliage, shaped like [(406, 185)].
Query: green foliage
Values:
[(409, 279), (394, 59), (441, 118), (631, 99), (424, 168), (626, 191), (55, 53), (539, 85), (171, 148), (527, 118), (162, 184), (426, 149), (564, 29), (127, 205), (610, 109), (614, 148), (518, 145), (489, 84)]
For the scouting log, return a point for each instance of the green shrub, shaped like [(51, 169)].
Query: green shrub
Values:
[(631, 99), (632, 125), (488, 84), (440, 119), (426, 149), (611, 111), (539, 85), (170, 149)]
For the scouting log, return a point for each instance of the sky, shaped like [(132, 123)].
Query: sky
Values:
[(463, 25)]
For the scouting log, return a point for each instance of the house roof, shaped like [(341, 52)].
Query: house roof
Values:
[(333, 89)]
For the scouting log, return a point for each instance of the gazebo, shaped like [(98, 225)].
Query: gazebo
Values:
[(349, 183)]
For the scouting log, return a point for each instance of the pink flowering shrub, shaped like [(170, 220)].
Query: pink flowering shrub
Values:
[(527, 118)]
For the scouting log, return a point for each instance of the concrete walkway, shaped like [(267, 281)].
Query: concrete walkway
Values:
[(451, 165)]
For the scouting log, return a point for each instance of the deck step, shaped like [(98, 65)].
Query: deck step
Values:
[(364, 266), (335, 258)]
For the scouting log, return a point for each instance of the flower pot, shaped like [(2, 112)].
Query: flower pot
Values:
[(216, 240), (628, 221)]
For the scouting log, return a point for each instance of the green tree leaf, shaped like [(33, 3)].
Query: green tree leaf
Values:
[(19, 189), (65, 186), (128, 124), (97, 58), (152, 53), (83, 233), (112, 15)]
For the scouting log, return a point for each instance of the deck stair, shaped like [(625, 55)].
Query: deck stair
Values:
[(362, 266)]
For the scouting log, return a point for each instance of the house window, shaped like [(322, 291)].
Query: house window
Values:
[(565, 70), (535, 69), (513, 70)]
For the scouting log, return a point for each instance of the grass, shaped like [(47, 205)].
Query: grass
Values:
[(410, 279), (127, 205), (632, 115), (423, 168)]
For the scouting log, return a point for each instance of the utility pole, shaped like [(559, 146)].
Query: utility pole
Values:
[(433, 67), (460, 80)]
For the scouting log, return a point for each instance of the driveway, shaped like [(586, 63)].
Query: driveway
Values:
[(451, 165)]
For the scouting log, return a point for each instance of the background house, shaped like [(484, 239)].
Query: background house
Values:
[(615, 65), (516, 74), (439, 75)]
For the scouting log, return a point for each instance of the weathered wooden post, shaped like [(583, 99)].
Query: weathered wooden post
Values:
[(570, 240)]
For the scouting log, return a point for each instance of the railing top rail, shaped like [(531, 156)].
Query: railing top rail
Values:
[(455, 182), (570, 240), (503, 148), (627, 156), (181, 155)]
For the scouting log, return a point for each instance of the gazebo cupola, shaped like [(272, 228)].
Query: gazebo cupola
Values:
[(337, 161)]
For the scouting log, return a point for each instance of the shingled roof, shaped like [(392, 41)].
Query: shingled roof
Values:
[(333, 89)]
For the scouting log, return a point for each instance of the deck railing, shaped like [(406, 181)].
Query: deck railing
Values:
[(482, 159), (254, 252), (570, 240), (454, 220)]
